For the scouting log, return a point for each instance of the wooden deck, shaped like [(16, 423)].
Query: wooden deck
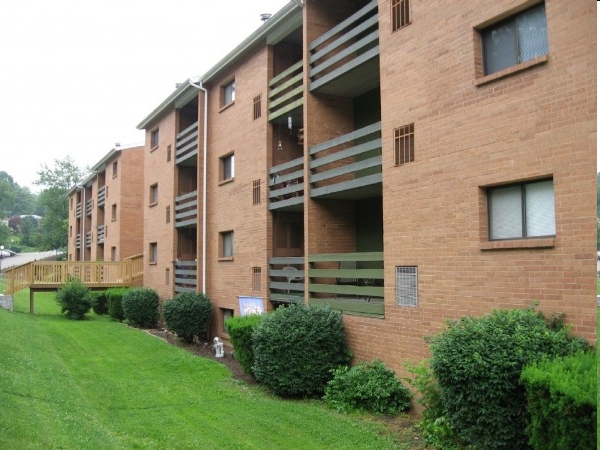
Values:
[(46, 276)]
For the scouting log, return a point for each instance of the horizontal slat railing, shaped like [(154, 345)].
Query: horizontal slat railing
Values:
[(186, 209), (286, 184), (186, 145), (186, 276), (286, 279), (286, 91)]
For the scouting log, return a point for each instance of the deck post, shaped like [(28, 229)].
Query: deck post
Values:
[(31, 295)]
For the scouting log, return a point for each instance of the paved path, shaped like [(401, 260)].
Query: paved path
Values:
[(24, 258)]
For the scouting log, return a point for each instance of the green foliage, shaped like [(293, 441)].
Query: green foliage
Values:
[(74, 299), (295, 349), (140, 307), (477, 362), (115, 303), (561, 401), (188, 315), (99, 302), (369, 387), (240, 331)]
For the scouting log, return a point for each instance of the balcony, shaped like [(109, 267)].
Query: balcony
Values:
[(286, 186), (345, 60), (286, 91), (101, 230), (186, 210), (89, 206), (186, 276), (286, 279), (78, 241), (349, 166), (102, 194), (78, 211), (186, 146), (348, 282), (89, 238)]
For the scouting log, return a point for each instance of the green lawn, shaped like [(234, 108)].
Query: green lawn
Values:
[(99, 384)]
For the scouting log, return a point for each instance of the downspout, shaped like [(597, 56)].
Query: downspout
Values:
[(83, 213), (204, 171)]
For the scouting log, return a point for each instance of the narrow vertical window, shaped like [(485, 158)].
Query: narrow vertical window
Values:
[(168, 214), (228, 93), (115, 166), (256, 108), (400, 14), (154, 138), (227, 167), (404, 144), (256, 192), (169, 151), (154, 194), (226, 248), (113, 212), (153, 253)]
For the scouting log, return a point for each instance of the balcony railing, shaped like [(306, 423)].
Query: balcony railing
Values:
[(286, 184), (347, 162), (185, 276), (102, 194), (89, 238), (286, 91), (78, 241), (286, 279), (89, 206), (78, 211), (186, 209), (101, 230), (349, 282), (349, 48), (186, 146)]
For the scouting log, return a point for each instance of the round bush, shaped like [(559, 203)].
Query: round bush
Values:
[(370, 387), (296, 348), (140, 307), (115, 303), (240, 331), (188, 315), (99, 302), (74, 299), (478, 363)]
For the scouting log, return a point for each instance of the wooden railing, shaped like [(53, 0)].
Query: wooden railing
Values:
[(286, 184), (186, 209), (286, 279), (53, 274), (285, 91), (186, 276)]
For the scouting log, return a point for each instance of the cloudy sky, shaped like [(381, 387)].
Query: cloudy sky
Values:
[(76, 77)]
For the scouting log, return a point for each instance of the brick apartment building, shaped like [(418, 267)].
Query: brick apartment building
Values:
[(105, 212), (403, 161)]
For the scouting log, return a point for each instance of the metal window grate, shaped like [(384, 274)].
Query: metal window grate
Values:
[(257, 107), (404, 144), (400, 14), (256, 192), (406, 286), (256, 279)]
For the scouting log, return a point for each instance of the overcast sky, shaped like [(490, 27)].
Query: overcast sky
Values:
[(76, 77)]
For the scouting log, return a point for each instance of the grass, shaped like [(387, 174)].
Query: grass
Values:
[(99, 384)]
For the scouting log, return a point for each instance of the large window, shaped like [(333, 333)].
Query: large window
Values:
[(154, 138), (228, 93), (227, 167), (521, 211), (226, 244), (515, 40)]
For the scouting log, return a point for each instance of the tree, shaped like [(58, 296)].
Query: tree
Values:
[(57, 181)]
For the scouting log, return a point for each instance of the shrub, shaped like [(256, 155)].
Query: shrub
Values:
[(115, 303), (99, 302), (140, 307), (187, 315), (478, 362), (240, 331), (370, 387), (295, 349), (561, 401), (74, 299)]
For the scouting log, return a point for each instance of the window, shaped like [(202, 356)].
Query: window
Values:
[(404, 144), (227, 167), (515, 40), (114, 169), (256, 108), (226, 314), (256, 278), (113, 253), (168, 214), (521, 211), (113, 212), (400, 14), (154, 194), (226, 244), (228, 93), (256, 192), (169, 151), (168, 276), (406, 286), (153, 253), (154, 138)]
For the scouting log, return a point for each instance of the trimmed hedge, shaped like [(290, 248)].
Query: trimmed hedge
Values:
[(296, 348), (115, 303), (478, 361), (74, 299), (188, 315), (561, 401), (240, 331), (99, 302), (140, 307), (371, 388)]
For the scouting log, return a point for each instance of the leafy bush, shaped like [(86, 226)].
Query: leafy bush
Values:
[(187, 315), (240, 331), (140, 307), (478, 363), (99, 302), (115, 303), (295, 349), (74, 299), (370, 387), (561, 401)]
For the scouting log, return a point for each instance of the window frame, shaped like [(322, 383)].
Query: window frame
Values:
[(224, 169), (226, 254), (153, 253), (404, 144), (115, 167), (113, 212), (400, 15), (228, 93), (153, 195), (154, 138)]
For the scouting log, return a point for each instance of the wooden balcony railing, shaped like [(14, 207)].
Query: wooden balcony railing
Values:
[(102, 194), (78, 241), (186, 209), (101, 231), (349, 282), (286, 279), (78, 211), (89, 206), (347, 162), (186, 146), (286, 184), (89, 238), (286, 91), (186, 276)]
